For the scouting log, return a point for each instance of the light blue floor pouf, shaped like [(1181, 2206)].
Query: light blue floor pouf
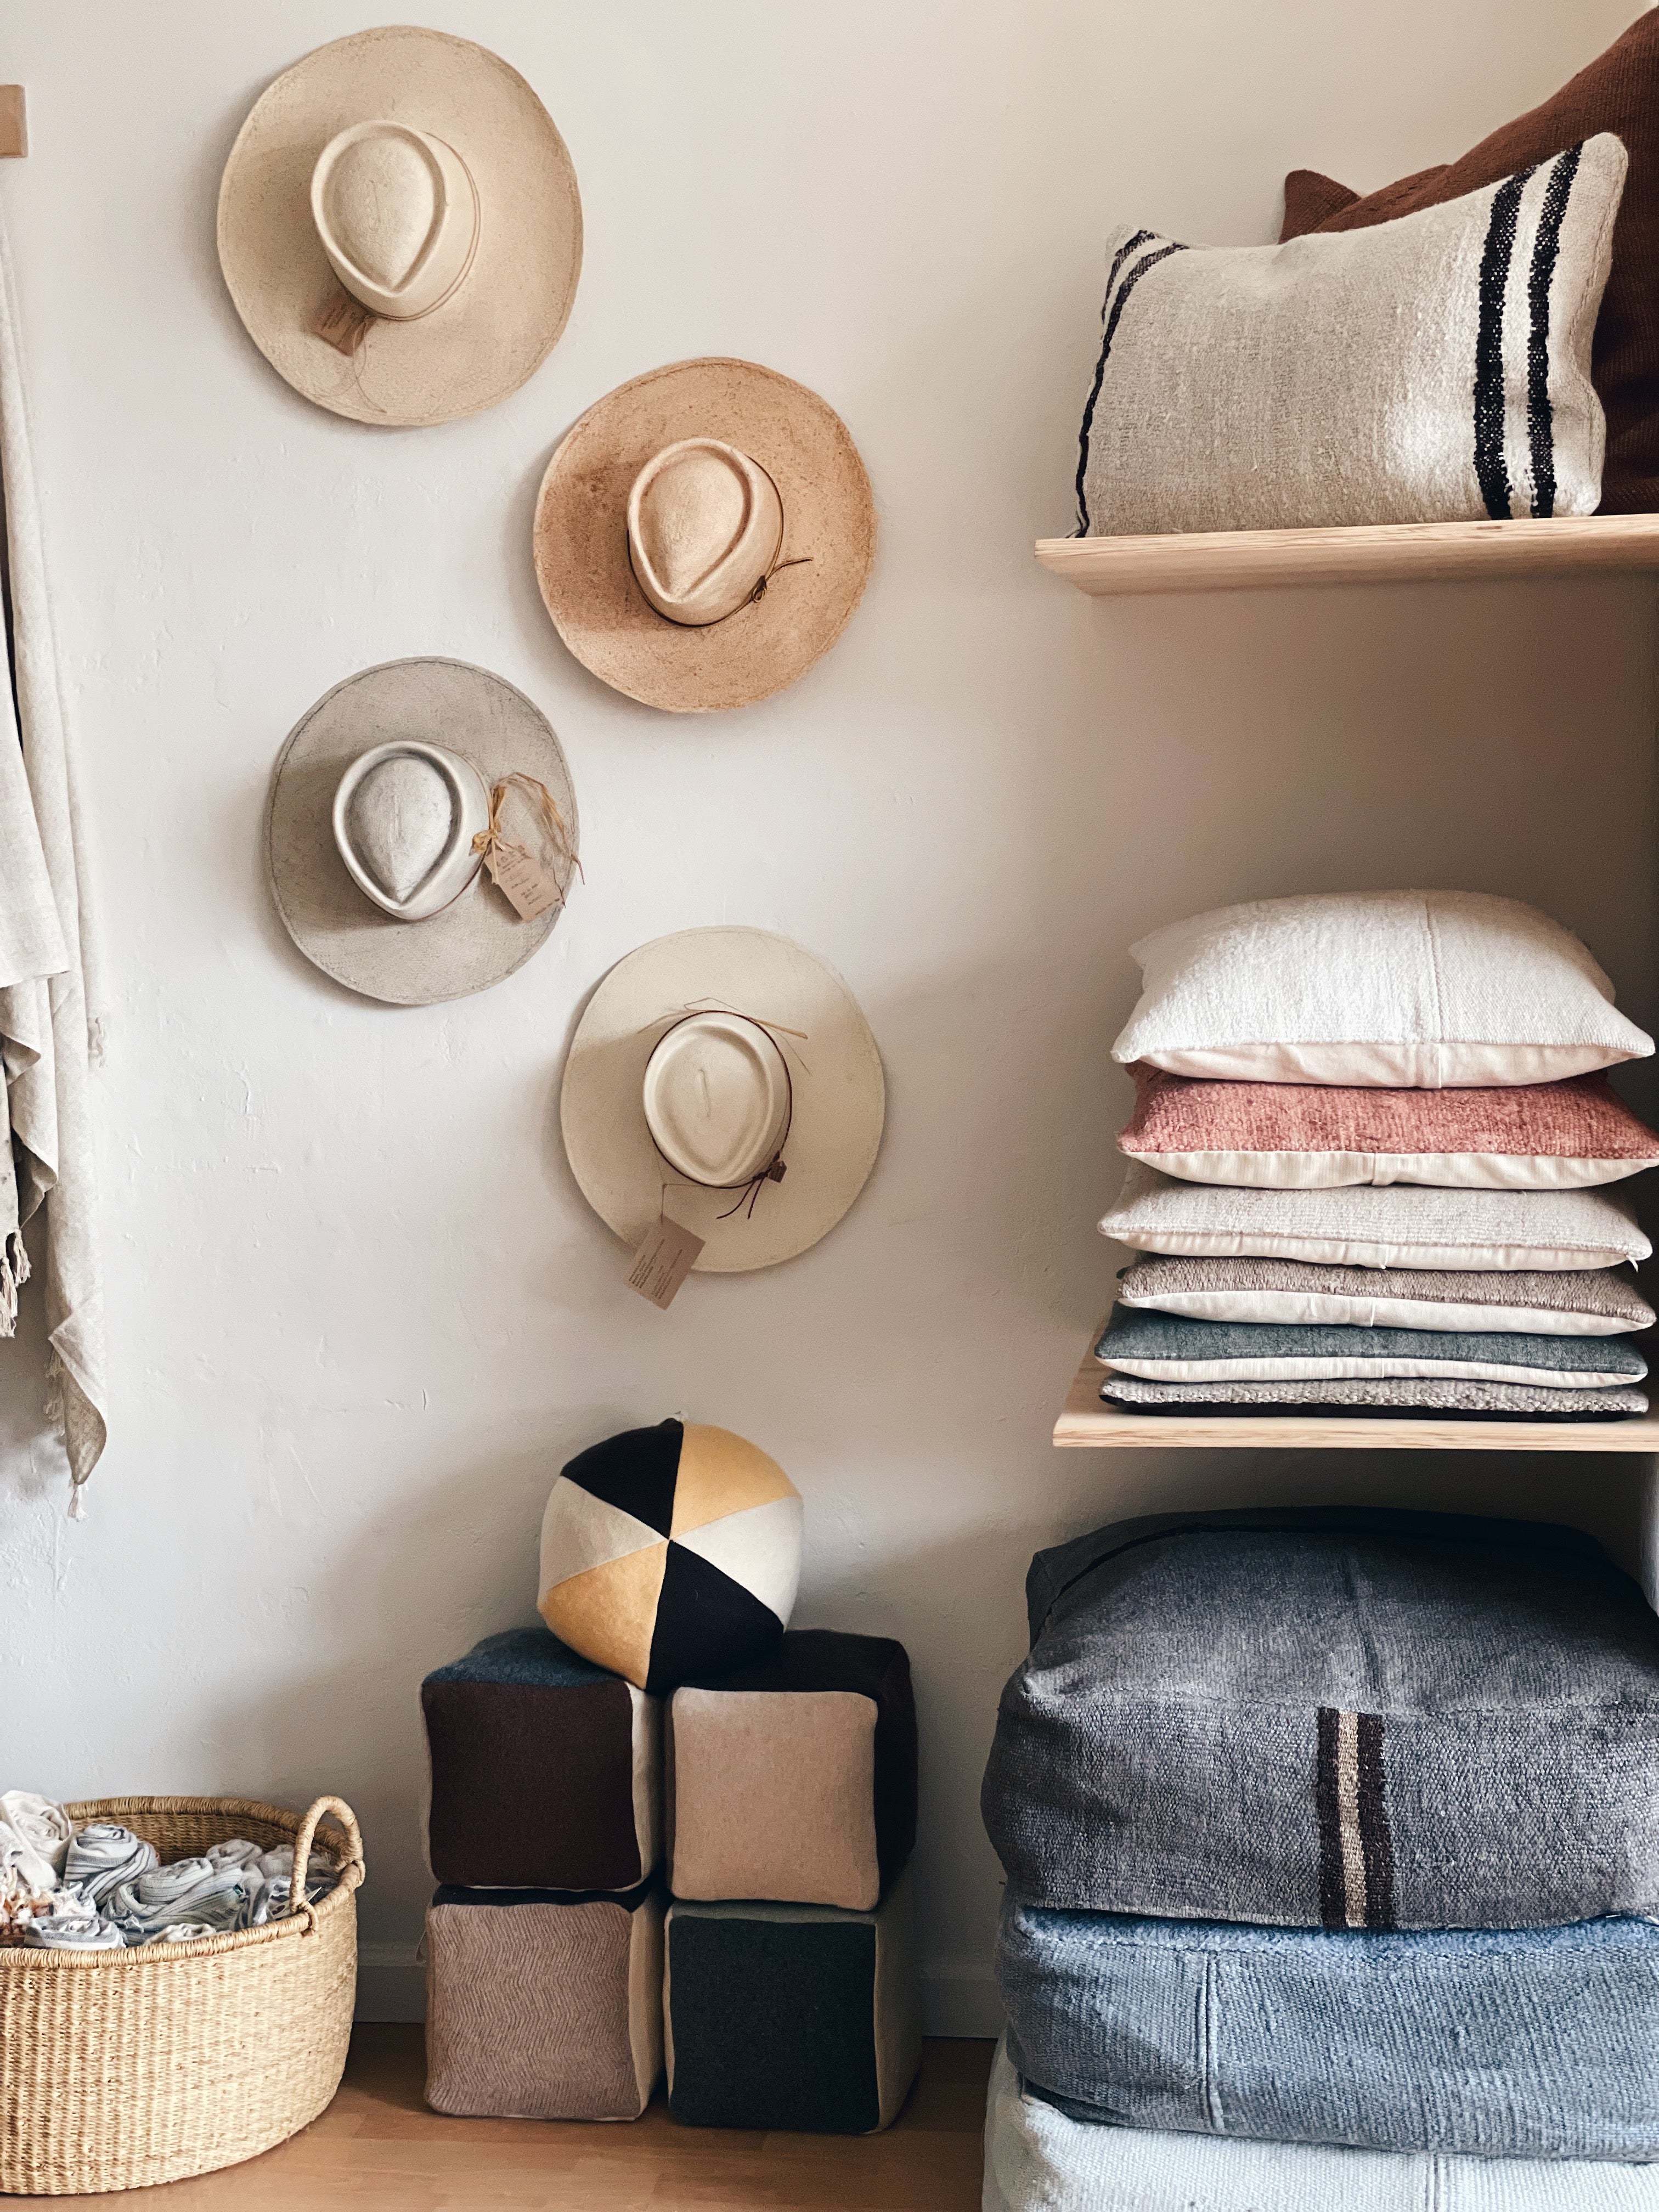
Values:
[(1037, 2160)]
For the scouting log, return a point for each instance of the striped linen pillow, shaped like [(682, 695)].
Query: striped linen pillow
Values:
[(1431, 369)]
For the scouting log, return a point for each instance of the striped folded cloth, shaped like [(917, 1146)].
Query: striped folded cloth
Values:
[(1161, 1347), (1387, 1398), (1535, 1302)]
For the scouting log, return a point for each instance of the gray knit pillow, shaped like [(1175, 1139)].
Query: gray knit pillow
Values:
[(1432, 369)]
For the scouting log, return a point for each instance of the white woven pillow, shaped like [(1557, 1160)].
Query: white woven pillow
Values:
[(1423, 989), (1385, 1225), (1431, 369)]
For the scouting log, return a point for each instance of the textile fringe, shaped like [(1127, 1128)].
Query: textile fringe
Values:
[(58, 1415)]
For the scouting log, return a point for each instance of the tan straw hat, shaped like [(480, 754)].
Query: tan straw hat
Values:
[(703, 534), (376, 799), (399, 227), (727, 1079)]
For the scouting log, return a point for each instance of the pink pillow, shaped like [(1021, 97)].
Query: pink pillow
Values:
[(1306, 1136)]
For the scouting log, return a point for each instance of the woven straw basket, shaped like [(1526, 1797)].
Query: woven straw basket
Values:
[(118, 2068)]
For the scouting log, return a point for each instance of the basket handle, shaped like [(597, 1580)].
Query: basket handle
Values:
[(350, 1875)]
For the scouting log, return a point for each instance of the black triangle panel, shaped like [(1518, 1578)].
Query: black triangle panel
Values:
[(706, 1623), (636, 1471)]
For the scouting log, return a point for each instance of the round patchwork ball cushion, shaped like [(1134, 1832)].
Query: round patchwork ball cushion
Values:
[(671, 1553)]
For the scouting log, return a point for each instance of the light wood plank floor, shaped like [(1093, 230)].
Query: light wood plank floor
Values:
[(378, 2149)]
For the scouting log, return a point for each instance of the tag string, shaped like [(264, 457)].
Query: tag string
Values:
[(492, 843)]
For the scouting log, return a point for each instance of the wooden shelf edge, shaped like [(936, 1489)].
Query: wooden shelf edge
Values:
[(1380, 553), (1087, 1424)]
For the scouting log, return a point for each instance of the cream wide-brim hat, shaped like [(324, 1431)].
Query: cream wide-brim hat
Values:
[(479, 939), (506, 315), (581, 552), (839, 1095)]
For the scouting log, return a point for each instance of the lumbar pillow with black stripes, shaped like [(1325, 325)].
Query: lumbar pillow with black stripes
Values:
[(671, 1554), (1432, 369)]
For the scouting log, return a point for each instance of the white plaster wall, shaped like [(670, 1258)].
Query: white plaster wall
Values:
[(358, 1313)]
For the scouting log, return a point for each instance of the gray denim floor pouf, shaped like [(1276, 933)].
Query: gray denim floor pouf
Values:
[(1331, 1718), (1537, 2043)]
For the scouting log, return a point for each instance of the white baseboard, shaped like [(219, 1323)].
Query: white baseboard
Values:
[(956, 1999)]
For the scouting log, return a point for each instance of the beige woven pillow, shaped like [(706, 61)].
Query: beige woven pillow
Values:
[(1431, 369), (1418, 989)]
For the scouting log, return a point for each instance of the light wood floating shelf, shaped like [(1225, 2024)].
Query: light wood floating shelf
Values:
[(1384, 553), (1086, 1422)]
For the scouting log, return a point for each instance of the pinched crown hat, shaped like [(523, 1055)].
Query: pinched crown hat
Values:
[(703, 534), (399, 227), (726, 1078), (382, 803)]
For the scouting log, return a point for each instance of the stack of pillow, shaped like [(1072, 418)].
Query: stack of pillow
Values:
[(1377, 1168)]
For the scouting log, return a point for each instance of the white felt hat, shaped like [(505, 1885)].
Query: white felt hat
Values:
[(375, 803), (728, 1079), (421, 174)]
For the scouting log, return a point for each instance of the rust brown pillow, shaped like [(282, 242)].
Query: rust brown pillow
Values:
[(1619, 93)]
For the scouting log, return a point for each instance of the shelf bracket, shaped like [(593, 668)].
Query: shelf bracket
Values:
[(13, 121)]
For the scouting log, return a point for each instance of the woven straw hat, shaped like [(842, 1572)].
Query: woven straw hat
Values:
[(417, 180), (658, 520), (324, 861), (704, 1064)]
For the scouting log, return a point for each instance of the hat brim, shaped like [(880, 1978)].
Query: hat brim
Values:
[(835, 1074), (479, 939), (505, 316), (588, 580)]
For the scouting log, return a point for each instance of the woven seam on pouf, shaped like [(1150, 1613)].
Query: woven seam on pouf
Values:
[(545, 1770), (791, 2016), (544, 2005)]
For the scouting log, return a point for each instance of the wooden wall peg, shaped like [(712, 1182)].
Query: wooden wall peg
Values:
[(13, 121)]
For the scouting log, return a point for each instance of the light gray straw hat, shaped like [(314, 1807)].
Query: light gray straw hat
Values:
[(375, 801)]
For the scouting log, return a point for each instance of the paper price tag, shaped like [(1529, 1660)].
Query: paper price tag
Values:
[(343, 321), (662, 1262), (530, 888)]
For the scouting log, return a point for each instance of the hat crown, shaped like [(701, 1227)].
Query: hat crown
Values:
[(400, 820), (396, 213), (382, 203), (717, 1099), (704, 526)]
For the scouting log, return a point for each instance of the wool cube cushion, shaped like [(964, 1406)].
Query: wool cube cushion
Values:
[(1436, 370), (541, 2004), (1165, 1348), (1420, 990), (1527, 2042), (1617, 92), (795, 1779), (546, 1771), (1038, 2157), (792, 2016), (1567, 1301), (1309, 1136), (1393, 1226), (1423, 1720)]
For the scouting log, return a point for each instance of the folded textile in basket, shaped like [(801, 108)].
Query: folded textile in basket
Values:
[(69, 1932), (1423, 1720), (1563, 1302), (1313, 1136), (237, 1851), (1038, 2158), (1383, 1398), (26, 1875), (101, 1856), (1393, 1225), (1169, 1348), (193, 1890), (1531, 2043), (42, 1826)]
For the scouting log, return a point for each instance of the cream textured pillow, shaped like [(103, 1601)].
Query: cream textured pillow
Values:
[(1385, 1226), (1419, 989), (1431, 369)]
